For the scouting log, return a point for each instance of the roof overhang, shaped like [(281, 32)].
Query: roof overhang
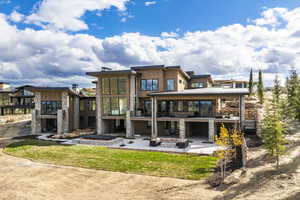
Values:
[(204, 92), (114, 72), (53, 89)]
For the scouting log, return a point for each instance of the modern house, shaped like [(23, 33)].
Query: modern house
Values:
[(231, 84), (163, 101), (15, 101), (56, 110)]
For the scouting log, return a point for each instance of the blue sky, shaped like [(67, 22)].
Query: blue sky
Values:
[(164, 15), (122, 33)]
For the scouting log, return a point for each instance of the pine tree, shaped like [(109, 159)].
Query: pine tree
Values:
[(273, 125), (251, 82), (260, 88), (293, 95)]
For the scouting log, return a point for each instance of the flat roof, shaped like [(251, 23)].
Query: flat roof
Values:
[(205, 91), (53, 89), (98, 73)]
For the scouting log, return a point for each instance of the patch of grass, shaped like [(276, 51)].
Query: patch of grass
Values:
[(141, 162)]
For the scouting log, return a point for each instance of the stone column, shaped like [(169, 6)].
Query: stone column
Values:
[(99, 125), (242, 112), (76, 112), (211, 130), (36, 126), (129, 125), (154, 118), (132, 97), (60, 121), (65, 108), (34, 122), (182, 130), (131, 111), (219, 106)]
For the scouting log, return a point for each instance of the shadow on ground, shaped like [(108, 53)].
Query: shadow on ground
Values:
[(259, 180)]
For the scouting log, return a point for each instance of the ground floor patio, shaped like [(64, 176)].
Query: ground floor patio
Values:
[(196, 145)]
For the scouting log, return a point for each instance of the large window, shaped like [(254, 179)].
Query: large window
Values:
[(81, 105), (4, 99), (114, 105), (239, 85), (114, 86), (147, 107), (149, 85), (105, 86), (197, 85), (50, 107), (170, 84), (202, 108), (91, 105)]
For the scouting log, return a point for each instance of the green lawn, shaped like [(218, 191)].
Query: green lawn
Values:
[(139, 162)]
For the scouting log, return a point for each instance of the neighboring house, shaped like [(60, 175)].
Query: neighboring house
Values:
[(159, 101), (17, 101), (231, 84), (56, 110)]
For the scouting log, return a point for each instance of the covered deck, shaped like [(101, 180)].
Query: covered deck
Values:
[(192, 109)]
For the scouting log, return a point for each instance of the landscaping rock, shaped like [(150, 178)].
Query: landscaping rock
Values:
[(235, 177)]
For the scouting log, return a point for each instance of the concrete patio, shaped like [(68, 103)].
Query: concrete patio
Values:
[(197, 145)]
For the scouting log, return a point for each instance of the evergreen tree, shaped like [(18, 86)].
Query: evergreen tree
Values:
[(293, 95), (251, 82), (273, 125), (260, 88)]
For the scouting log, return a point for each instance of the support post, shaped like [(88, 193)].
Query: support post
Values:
[(65, 108), (154, 118), (36, 126), (182, 130), (60, 123), (129, 125), (211, 130), (99, 126), (76, 112)]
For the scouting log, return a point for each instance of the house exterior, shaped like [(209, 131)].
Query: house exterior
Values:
[(17, 101), (231, 84), (56, 110), (160, 100)]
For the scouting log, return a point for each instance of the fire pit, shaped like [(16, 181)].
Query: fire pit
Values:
[(98, 137)]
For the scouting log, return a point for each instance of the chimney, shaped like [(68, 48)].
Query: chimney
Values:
[(75, 87), (190, 73)]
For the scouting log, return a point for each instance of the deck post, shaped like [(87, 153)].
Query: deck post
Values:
[(211, 130), (182, 130), (129, 125), (60, 124), (242, 112), (131, 111), (65, 108), (36, 127), (154, 118), (99, 125), (76, 113)]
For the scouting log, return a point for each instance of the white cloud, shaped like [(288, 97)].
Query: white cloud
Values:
[(149, 3), (125, 16), (66, 14), (169, 34), (15, 16), (227, 52)]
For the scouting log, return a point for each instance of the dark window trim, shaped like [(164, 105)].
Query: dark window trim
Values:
[(173, 79), (141, 89)]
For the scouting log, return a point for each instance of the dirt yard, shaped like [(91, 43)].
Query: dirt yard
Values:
[(23, 179)]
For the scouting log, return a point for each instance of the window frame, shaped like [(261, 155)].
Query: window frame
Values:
[(146, 81), (174, 87)]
